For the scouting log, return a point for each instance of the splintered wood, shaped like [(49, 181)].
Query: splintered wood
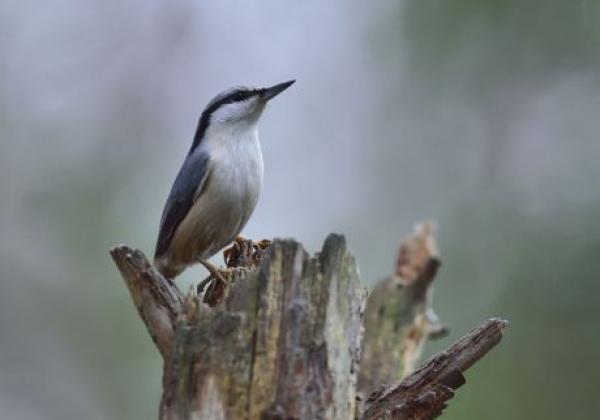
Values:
[(399, 317), (283, 339)]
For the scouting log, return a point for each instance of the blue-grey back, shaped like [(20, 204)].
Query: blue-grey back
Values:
[(187, 185)]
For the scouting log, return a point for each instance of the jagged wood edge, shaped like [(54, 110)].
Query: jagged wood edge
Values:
[(399, 316), (423, 394), (157, 299)]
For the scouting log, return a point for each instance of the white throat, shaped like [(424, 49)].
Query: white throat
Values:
[(236, 156)]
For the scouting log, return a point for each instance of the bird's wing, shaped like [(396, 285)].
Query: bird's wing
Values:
[(188, 185)]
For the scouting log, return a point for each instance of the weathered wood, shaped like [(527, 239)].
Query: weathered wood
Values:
[(423, 394), (157, 299), (283, 340), (319, 333), (399, 317), (295, 319)]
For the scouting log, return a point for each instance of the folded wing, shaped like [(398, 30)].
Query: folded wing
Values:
[(188, 185)]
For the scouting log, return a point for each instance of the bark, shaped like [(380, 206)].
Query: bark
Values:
[(157, 299), (283, 339), (399, 316), (283, 343), (423, 394)]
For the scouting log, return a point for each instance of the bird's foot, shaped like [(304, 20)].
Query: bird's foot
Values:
[(243, 255), (245, 252), (214, 287)]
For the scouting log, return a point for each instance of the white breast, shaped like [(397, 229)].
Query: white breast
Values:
[(236, 176), (237, 164)]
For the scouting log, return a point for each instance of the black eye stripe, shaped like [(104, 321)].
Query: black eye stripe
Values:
[(235, 96)]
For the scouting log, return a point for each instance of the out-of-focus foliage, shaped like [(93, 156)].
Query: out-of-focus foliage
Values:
[(515, 84), (479, 49), (480, 114)]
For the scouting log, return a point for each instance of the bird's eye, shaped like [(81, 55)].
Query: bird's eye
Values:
[(241, 95)]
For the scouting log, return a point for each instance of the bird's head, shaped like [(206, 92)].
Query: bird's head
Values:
[(242, 104), (237, 108)]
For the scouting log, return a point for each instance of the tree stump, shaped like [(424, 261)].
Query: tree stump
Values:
[(283, 341), (399, 317)]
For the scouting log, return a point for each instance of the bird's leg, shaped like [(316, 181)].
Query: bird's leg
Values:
[(215, 272), (215, 285), (241, 256)]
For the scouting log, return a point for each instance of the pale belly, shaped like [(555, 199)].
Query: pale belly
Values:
[(222, 210)]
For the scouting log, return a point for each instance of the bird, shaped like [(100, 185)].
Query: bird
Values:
[(218, 184)]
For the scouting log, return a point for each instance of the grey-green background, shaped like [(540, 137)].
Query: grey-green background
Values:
[(480, 114)]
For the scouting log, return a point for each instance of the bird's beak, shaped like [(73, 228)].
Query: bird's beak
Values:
[(270, 92)]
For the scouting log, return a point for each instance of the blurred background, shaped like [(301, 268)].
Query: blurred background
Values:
[(482, 115)]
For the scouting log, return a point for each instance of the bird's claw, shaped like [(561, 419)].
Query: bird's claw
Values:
[(245, 252), (243, 255), (214, 287)]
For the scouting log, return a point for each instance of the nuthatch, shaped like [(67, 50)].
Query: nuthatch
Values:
[(218, 184)]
